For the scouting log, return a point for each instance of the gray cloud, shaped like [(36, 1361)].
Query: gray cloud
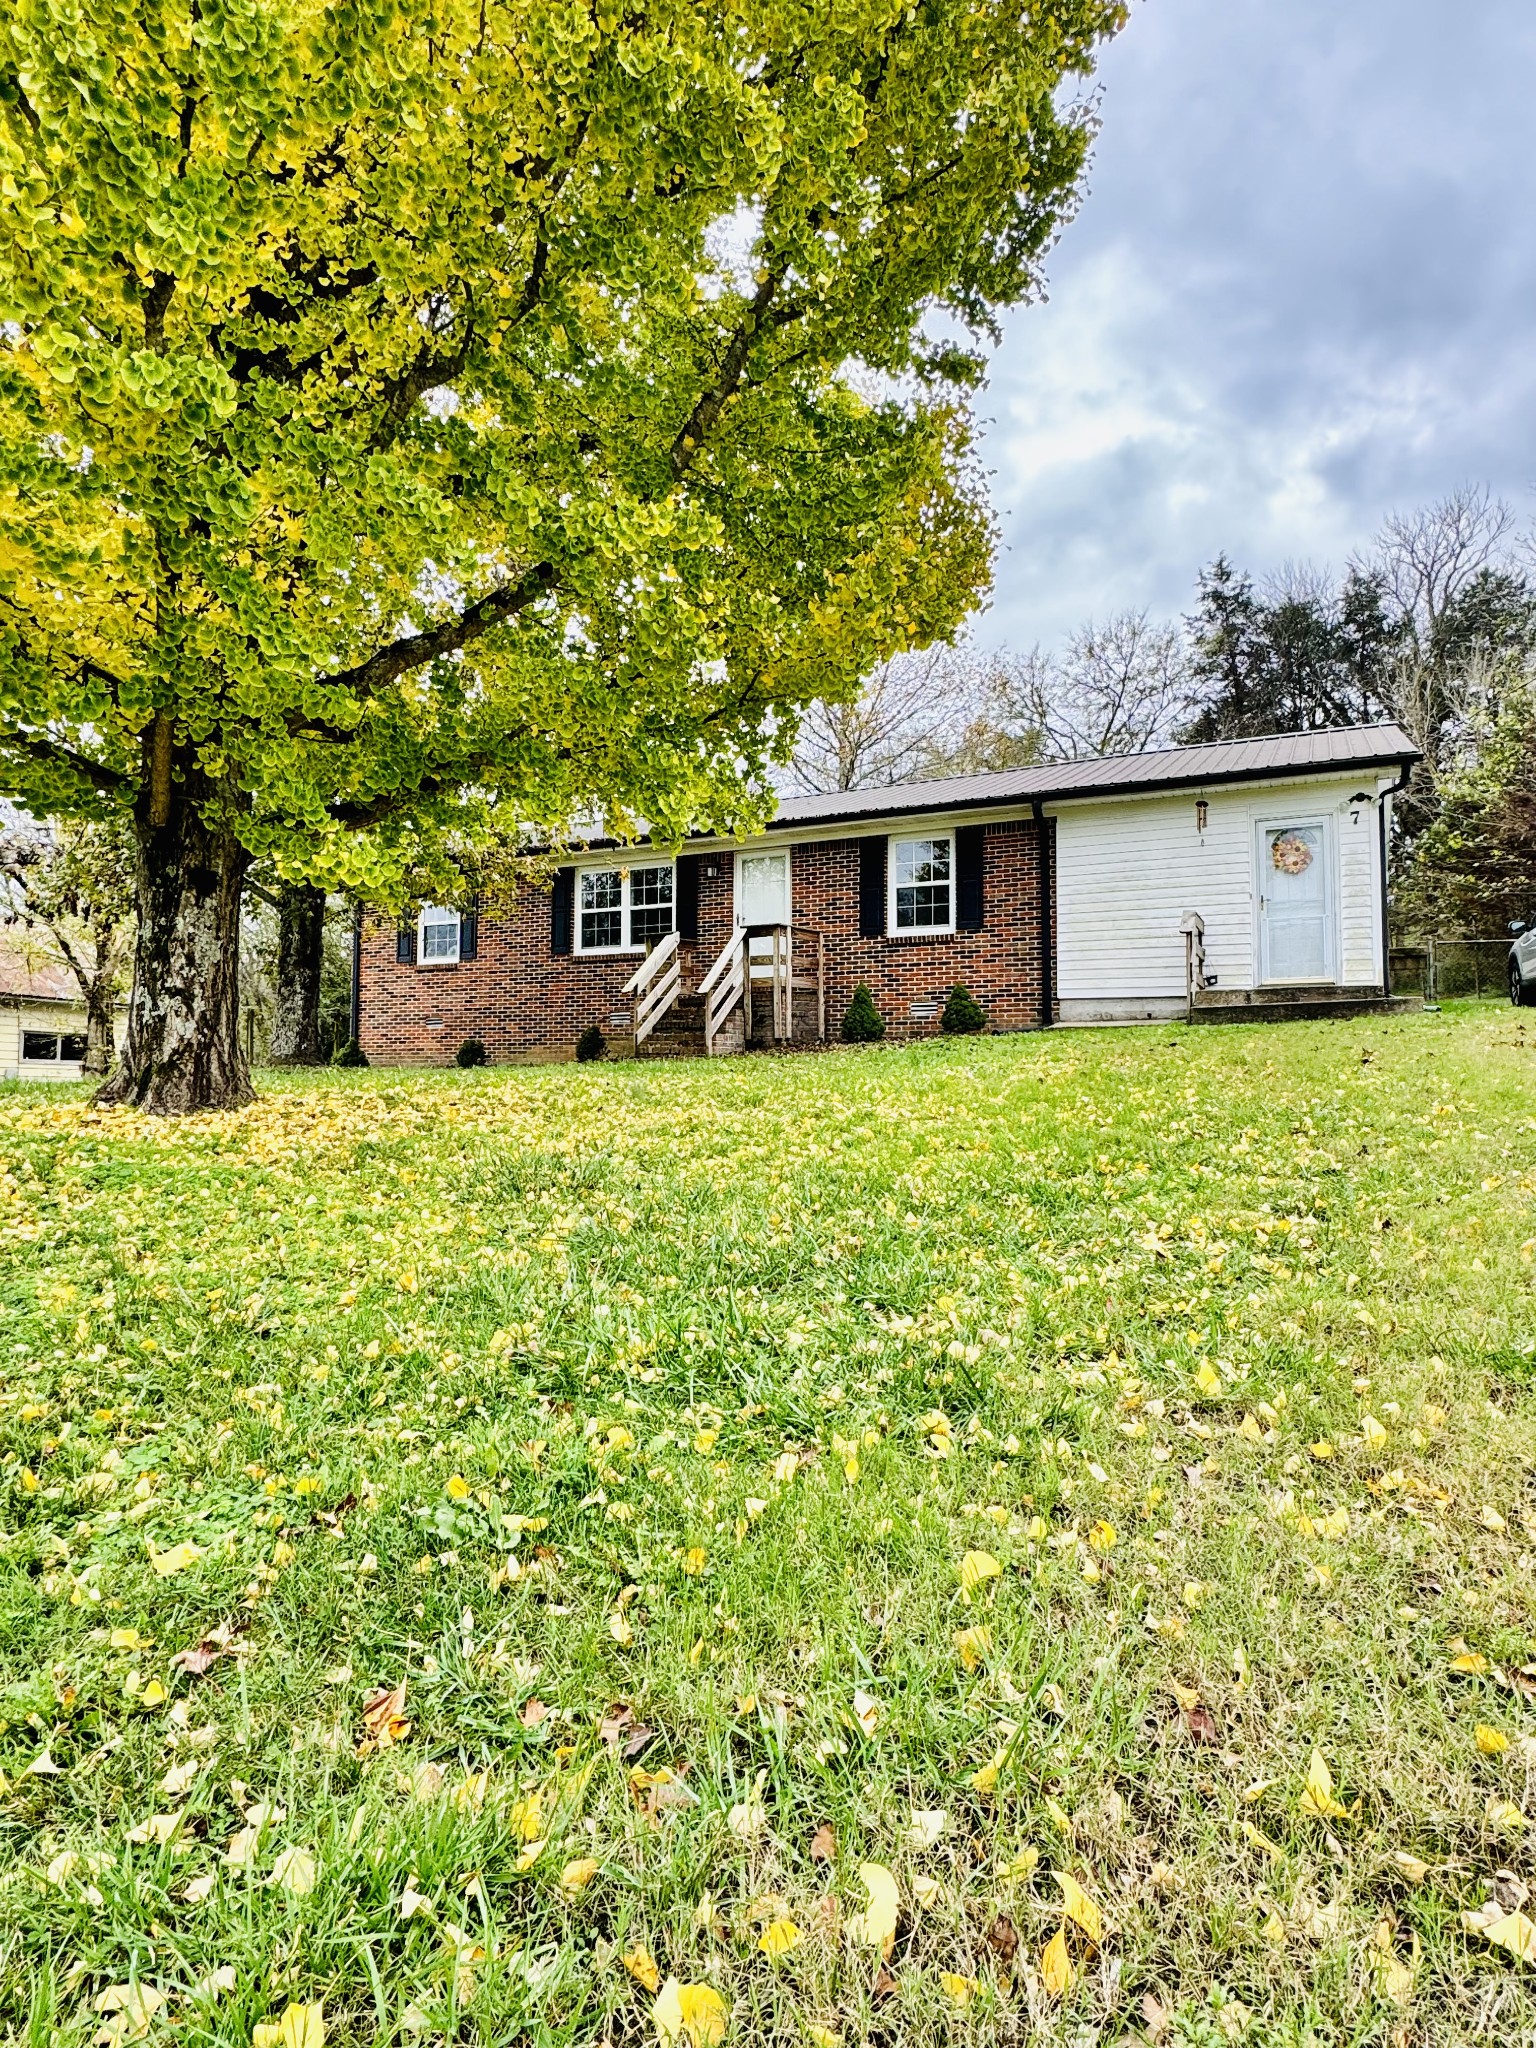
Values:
[(1301, 292)]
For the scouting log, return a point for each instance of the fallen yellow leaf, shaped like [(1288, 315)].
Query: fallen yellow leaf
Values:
[(1056, 1965), (976, 1567), (1318, 1797), (578, 1874), (176, 1559), (696, 2010), (301, 2026), (973, 1646), (294, 1870), (1512, 1931), (959, 1990), (1491, 1741), (867, 1711), (875, 1927), (641, 1965), (778, 1937), (1077, 1905)]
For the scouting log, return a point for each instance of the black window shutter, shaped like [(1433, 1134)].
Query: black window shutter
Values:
[(562, 911), (469, 929), (686, 898), (970, 877), (405, 944), (872, 888)]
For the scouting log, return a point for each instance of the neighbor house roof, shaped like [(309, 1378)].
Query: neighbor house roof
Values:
[(27, 974), (1255, 760)]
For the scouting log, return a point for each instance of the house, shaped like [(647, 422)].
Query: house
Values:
[(42, 1016), (1241, 879)]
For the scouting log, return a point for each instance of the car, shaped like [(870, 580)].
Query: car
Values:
[(1522, 966)]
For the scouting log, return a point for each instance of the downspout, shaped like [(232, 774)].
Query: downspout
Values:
[(1383, 798), (355, 1019), (1047, 902)]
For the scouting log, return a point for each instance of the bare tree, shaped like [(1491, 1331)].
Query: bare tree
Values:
[(890, 731), (74, 884), (1431, 556), (1448, 569)]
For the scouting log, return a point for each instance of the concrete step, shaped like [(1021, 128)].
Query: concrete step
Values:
[(1264, 1008), (1282, 992)]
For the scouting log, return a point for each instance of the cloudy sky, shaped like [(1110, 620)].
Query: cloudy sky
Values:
[(1301, 292)]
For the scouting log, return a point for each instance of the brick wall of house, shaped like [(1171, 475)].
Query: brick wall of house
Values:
[(1000, 964), (517, 996), (520, 998)]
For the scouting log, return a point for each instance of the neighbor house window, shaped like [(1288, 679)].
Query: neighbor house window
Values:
[(922, 885), (72, 1045), (439, 934), (39, 1045), (624, 910)]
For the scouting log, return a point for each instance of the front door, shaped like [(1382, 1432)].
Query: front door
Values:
[(762, 888), (1295, 902)]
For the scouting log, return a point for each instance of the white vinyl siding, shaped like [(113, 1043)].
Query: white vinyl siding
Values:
[(1127, 871), (56, 1021)]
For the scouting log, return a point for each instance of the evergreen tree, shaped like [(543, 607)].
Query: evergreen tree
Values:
[(862, 1021), (962, 1012)]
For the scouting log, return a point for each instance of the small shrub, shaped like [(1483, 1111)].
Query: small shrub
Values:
[(962, 1012), (863, 1023), (470, 1054), (591, 1045), (349, 1054)]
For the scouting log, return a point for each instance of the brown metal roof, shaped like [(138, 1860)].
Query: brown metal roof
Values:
[(1302, 753), (27, 972)]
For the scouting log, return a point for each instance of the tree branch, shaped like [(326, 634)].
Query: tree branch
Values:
[(110, 781), (732, 369), (414, 650)]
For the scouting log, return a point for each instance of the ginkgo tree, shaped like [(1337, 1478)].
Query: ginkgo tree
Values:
[(421, 421)]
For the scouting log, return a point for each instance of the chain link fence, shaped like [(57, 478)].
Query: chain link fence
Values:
[(1441, 969)]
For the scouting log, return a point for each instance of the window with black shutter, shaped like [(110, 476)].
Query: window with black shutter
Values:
[(970, 877), (872, 888), (562, 910), (405, 945), (687, 898), (469, 929)]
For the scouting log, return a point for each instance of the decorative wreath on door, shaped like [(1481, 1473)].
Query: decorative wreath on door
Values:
[(1291, 854)]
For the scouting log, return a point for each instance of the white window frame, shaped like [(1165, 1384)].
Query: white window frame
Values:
[(625, 871), (438, 914), (917, 931)]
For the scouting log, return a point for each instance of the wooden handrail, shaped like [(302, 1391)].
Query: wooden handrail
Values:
[(652, 964)]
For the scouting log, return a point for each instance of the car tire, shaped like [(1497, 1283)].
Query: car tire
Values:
[(1522, 993)]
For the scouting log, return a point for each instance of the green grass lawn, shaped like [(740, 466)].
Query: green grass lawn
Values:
[(872, 1547)]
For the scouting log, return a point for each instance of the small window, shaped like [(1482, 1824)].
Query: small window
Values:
[(39, 1045), (624, 909), (439, 934), (72, 1045), (922, 885)]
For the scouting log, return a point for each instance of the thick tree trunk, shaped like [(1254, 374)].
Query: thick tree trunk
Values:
[(183, 1051), (300, 938)]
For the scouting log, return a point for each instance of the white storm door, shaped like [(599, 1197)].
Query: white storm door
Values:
[(1296, 940), (762, 888)]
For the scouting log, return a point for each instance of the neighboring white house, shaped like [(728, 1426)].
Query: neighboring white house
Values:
[(42, 1016)]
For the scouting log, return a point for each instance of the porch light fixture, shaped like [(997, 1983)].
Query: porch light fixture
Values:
[(1356, 803), (1202, 812)]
